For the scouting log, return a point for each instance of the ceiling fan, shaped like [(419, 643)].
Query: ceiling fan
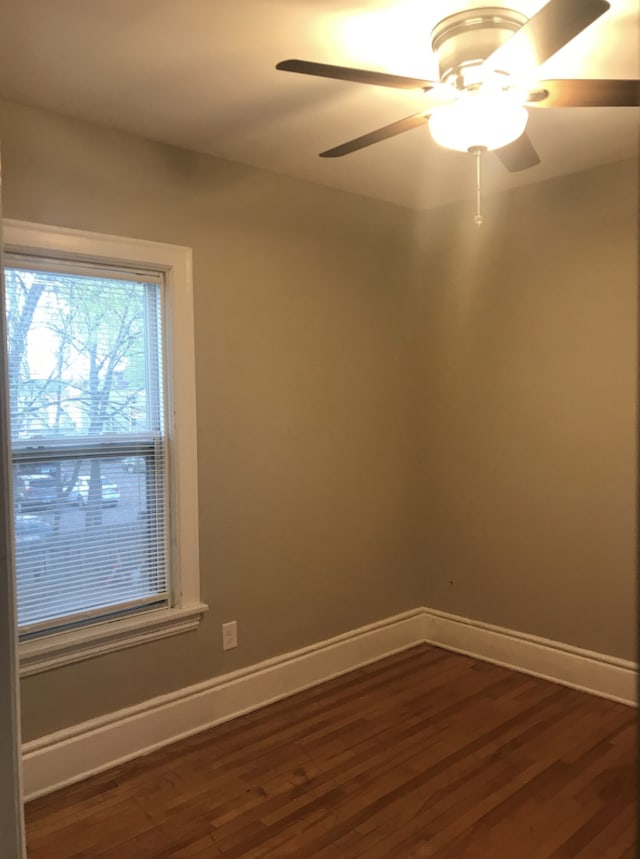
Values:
[(479, 102)]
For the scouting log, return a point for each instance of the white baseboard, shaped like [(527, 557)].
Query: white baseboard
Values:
[(606, 676), (70, 755)]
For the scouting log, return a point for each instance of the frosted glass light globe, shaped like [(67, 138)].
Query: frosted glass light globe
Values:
[(478, 118)]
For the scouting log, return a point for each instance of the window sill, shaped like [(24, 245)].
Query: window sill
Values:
[(63, 648)]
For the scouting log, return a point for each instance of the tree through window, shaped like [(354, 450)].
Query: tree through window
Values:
[(86, 393)]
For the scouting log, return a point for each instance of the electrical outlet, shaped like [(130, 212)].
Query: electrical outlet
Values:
[(229, 635)]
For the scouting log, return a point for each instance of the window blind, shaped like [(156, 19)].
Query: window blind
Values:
[(87, 411)]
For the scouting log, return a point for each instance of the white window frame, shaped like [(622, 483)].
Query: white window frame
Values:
[(175, 262)]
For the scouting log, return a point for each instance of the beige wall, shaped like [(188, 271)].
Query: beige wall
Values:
[(11, 814), (529, 406), (393, 409), (306, 425)]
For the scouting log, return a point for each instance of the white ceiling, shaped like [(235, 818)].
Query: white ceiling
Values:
[(200, 74)]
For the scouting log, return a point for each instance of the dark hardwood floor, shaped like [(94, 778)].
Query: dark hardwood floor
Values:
[(424, 754)]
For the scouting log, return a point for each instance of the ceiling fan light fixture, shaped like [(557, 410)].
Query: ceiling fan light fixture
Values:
[(478, 120)]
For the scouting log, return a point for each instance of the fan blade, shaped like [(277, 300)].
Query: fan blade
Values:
[(376, 136), (519, 155), (359, 76), (589, 93), (546, 32)]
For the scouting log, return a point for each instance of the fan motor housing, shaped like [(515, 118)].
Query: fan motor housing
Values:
[(467, 38)]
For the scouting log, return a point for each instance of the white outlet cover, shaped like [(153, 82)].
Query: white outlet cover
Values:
[(229, 635)]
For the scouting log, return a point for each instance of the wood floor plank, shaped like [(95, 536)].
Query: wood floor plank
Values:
[(424, 754)]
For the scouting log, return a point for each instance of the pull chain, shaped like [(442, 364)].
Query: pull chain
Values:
[(477, 151)]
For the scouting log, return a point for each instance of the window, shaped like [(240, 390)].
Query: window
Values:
[(104, 486)]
